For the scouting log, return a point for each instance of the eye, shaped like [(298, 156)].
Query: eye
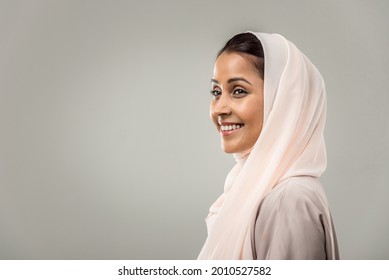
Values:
[(238, 92), (216, 93)]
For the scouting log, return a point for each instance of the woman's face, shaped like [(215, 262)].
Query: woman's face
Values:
[(237, 105)]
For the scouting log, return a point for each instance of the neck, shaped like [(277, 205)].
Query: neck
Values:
[(242, 156)]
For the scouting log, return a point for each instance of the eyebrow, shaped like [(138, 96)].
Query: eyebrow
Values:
[(232, 80)]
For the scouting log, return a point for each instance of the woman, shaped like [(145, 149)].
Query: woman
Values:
[(269, 106)]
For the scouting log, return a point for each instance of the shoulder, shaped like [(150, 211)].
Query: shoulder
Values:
[(291, 221), (296, 193), (297, 206)]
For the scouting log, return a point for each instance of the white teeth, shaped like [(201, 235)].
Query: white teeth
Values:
[(230, 127)]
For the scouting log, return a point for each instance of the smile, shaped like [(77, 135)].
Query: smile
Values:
[(230, 127), (226, 130)]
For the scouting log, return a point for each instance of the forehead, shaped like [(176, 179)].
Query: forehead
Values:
[(233, 64)]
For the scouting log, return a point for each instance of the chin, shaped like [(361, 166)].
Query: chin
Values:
[(229, 150)]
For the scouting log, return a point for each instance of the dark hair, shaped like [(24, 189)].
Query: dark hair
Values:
[(247, 43)]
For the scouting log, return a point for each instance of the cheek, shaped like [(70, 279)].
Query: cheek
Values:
[(254, 116), (212, 114)]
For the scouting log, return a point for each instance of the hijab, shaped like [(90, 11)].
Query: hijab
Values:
[(291, 144)]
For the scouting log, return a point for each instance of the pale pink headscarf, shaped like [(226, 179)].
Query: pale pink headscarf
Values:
[(291, 144)]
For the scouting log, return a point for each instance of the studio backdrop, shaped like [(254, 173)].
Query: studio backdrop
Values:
[(106, 146)]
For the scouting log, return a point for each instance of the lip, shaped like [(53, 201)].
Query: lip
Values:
[(229, 132), (228, 123)]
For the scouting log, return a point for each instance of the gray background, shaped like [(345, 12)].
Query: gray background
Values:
[(106, 148)]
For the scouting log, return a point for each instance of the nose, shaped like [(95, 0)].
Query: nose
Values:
[(221, 106)]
